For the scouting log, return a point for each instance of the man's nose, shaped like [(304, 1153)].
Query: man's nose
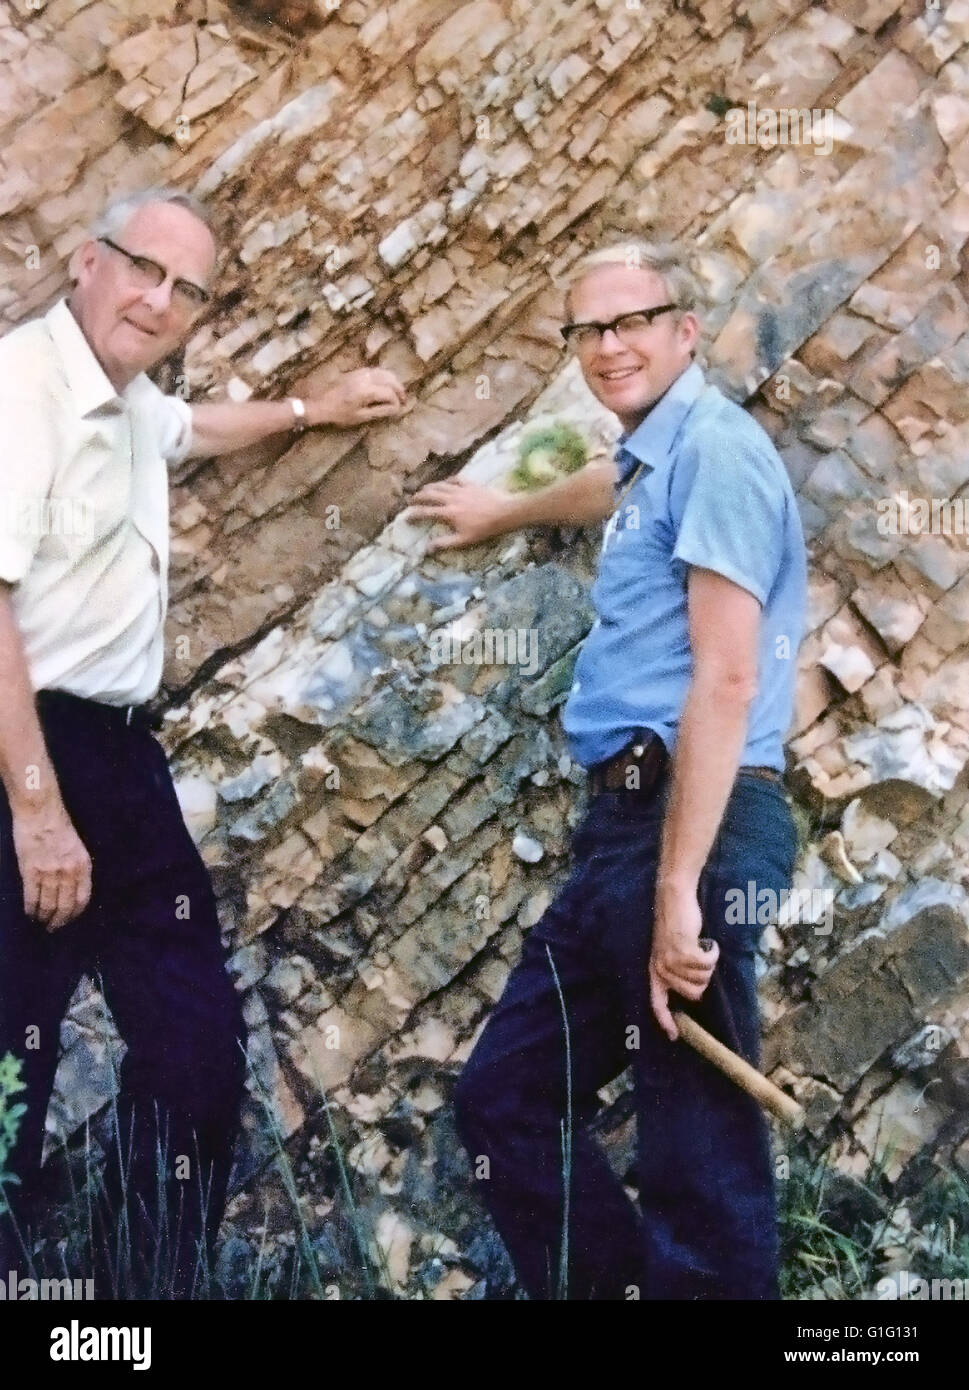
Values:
[(159, 299), (610, 342)]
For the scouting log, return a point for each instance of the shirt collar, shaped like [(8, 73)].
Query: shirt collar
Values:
[(650, 441), (86, 377)]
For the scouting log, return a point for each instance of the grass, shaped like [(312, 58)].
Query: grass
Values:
[(10, 1114), (80, 1236), (839, 1235), (364, 1239), (563, 1273)]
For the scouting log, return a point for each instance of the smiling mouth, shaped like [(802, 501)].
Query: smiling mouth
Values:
[(148, 332), (619, 373)]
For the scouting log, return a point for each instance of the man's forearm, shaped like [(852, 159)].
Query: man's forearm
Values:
[(709, 745), (478, 513), (219, 427), (576, 500), (361, 397), (22, 746)]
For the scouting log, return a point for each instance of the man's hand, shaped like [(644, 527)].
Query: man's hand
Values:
[(369, 393), (678, 961), (54, 865), (359, 397), (474, 513)]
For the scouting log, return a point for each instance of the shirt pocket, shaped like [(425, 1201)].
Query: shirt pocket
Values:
[(635, 564)]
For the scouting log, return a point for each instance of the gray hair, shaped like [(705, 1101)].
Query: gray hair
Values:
[(669, 262), (116, 214)]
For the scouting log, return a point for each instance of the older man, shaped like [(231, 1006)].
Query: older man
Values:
[(683, 692), (98, 872)]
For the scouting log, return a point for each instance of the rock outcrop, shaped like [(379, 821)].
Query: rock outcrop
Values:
[(405, 183)]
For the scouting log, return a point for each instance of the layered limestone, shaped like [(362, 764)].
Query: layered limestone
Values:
[(378, 783)]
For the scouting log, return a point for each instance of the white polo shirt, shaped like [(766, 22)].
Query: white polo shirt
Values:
[(84, 512)]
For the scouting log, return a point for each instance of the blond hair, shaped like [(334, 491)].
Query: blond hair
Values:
[(667, 261)]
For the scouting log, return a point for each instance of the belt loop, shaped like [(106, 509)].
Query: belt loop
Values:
[(128, 715)]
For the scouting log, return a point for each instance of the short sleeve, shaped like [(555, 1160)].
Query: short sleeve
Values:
[(173, 418), (168, 419), (734, 515), (28, 462)]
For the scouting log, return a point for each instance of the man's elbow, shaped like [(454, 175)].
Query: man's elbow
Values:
[(728, 685), (202, 446), (600, 476)]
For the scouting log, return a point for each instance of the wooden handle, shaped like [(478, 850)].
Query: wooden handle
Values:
[(775, 1100)]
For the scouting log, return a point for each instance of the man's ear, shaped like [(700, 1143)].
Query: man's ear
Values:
[(688, 329), (82, 259)]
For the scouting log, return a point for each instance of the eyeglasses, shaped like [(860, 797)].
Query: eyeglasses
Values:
[(149, 274), (627, 327)]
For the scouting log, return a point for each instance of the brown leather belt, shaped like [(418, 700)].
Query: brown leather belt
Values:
[(638, 768)]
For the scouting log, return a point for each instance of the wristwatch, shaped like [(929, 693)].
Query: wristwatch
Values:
[(299, 414)]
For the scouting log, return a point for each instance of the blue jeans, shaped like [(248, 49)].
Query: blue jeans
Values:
[(707, 1227)]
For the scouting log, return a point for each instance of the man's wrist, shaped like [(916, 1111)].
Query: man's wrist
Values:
[(318, 412), (676, 881), (516, 510), (42, 800), (297, 408), (500, 514)]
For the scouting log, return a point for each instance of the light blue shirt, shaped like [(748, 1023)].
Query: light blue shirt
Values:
[(712, 492)]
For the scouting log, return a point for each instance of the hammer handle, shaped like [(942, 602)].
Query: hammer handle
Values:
[(747, 1077)]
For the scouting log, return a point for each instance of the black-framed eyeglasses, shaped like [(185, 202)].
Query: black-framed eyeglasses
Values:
[(627, 327), (150, 274)]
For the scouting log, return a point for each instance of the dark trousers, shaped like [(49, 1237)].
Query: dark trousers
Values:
[(707, 1227), (151, 935)]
